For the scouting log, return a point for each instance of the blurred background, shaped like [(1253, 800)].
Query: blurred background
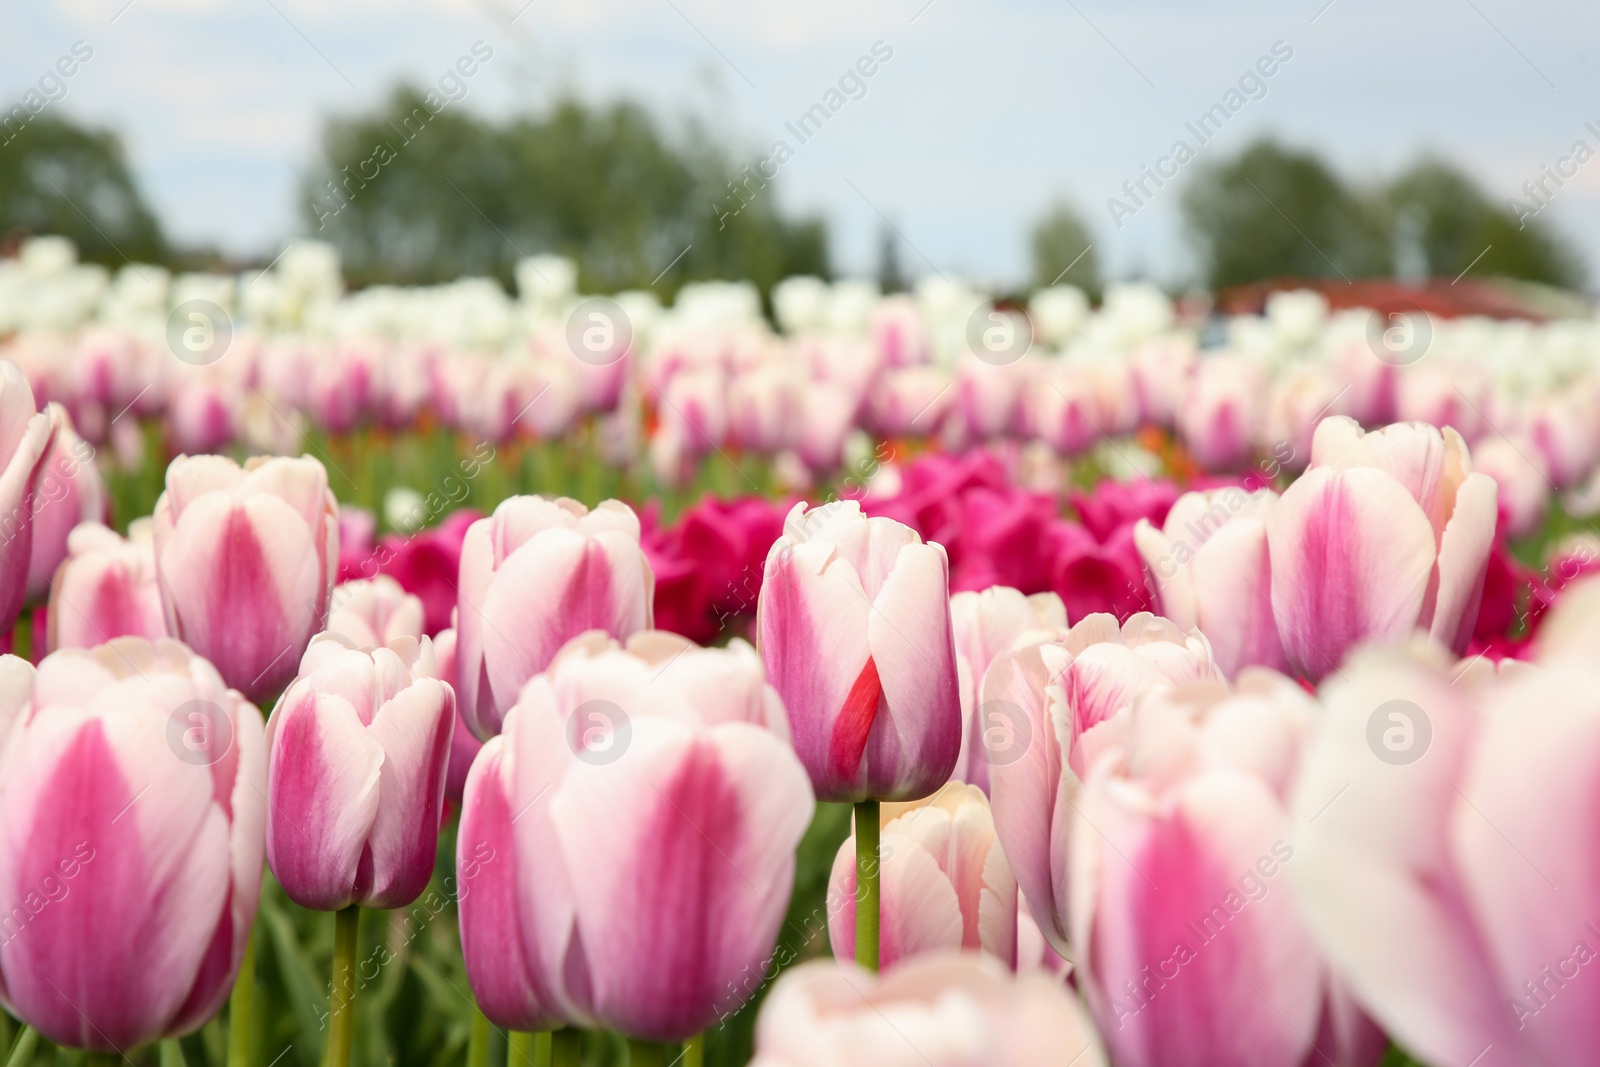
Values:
[(662, 141)]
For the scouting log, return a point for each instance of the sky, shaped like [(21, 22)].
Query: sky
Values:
[(983, 114)]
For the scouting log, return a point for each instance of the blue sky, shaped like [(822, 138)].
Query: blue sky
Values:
[(987, 111)]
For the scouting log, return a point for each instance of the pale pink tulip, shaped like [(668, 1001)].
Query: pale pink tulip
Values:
[(26, 438), (105, 588), (69, 491), (1518, 470), (1220, 416), (132, 803), (1067, 703), (627, 843), (464, 744), (951, 1010), (986, 624), (535, 574), (1387, 532), (246, 559), (358, 750), (854, 625), (371, 612), (944, 883), (1212, 571)]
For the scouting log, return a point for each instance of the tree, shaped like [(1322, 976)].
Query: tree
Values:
[(412, 195), (1274, 212), (1063, 251), (1453, 227), (57, 177)]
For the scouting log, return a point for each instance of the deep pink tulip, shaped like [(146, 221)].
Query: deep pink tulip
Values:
[(627, 843), (1211, 570), (944, 884), (1387, 532), (132, 801), (26, 438), (105, 588), (1113, 505), (1064, 704), (535, 574), (372, 613), (358, 749), (1092, 577), (246, 560), (69, 491), (954, 1010), (854, 625)]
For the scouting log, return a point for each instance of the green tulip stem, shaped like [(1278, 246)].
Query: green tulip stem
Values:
[(342, 1004), (648, 1054), (867, 884), (242, 1008), (22, 1051), (566, 1047)]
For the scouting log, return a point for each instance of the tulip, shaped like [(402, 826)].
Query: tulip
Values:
[(854, 625), (105, 588), (69, 491), (428, 563), (464, 744), (132, 802), (1181, 914), (26, 439), (985, 625), (946, 1009), (627, 843), (535, 574), (372, 613), (1065, 703), (1386, 532), (246, 558), (945, 884), (1524, 489), (1221, 413), (1212, 571), (357, 530), (357, 753)]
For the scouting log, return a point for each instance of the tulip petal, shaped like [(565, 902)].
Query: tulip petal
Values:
[(414, 730), (1463, 561), (917, 907)]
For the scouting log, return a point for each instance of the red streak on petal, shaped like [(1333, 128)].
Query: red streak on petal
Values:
[(850, 729)]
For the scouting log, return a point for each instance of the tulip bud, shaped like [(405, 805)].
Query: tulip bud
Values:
[(632, 825), (246, 559), (374, 612), (358, 750), (106, 588), (132, 801), (26, 437), (535, 574), (70, 491), (952, 1010), (854, 625), (945, 884)]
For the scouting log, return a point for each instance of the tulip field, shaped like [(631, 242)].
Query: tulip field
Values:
[(435, 676)]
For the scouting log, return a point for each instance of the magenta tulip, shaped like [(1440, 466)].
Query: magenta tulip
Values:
[(947, 1009), (131, 811), (69, 491), (535, 574), (627, 844), (1387, 532), (246, 559), (26, 438), (105, 588), (854, 625), (358, 749)]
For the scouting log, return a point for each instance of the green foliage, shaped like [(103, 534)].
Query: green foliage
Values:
[(1275, 212), (57, 177), (413, 196), (1447, 215), (1063, 252)]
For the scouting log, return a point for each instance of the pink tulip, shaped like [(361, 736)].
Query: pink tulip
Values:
[(464, 744), (69, 491), (246, 559), (828, 411), (854, 625), (372, 613), (533, 575), (951, 1010), (1563, 430), (357, 753), (358, 528), (627, 843), (1222, 411), (1387, 532), (944, 883), (105, 588), (1065, 703), (428, 563), (202, 416), (1212, 571), (1181, 912), (132, 802), (1519, 474), (26, 439), (985, 625)]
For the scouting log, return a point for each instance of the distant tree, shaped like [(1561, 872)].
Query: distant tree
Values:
[(1276, 212), (891, 275), (1063, 251), (57, 177), (1455, 226), (411, 195)]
